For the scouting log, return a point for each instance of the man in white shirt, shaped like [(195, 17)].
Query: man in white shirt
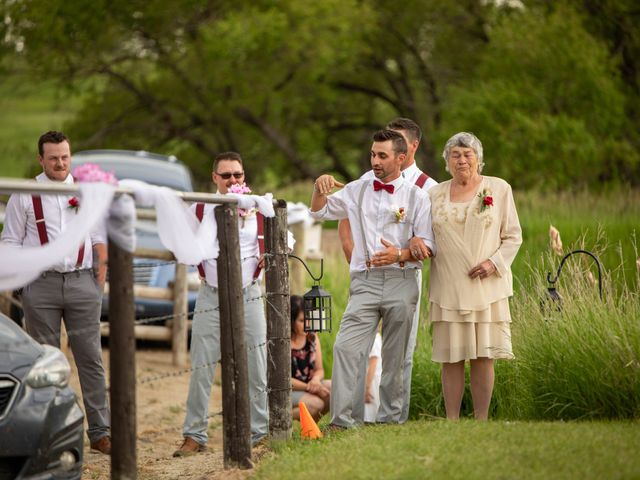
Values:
[(411, 173), (386, 213), (72, 289), (205, 333)]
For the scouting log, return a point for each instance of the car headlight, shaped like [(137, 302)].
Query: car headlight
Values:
[(52, 369)]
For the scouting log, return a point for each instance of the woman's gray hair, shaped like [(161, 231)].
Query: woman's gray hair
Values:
[(466, 140)]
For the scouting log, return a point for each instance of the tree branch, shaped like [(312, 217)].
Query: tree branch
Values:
[(372, 92), (276, 138)]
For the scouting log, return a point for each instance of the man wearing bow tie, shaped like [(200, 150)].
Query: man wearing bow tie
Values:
[(385, 213), (412, 134)]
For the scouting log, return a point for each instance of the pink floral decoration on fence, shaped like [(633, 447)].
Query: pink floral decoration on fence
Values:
[(90, 172), (240, 188)]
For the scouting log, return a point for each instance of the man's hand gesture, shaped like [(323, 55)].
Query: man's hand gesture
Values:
[(325, 184)]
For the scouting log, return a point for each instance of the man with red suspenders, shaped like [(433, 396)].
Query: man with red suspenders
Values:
[(411, 173), (205, 333), (71, 289)]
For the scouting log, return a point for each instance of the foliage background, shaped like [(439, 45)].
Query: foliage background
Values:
[(551, 87)]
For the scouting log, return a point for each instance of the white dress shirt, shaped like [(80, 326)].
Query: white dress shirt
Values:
[(20, 224), (249, 250), (410, 174), (380, 219)]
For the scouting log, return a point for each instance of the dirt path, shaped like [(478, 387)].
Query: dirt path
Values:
[(160, 413)]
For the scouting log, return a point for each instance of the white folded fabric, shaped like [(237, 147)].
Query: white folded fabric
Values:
[(263, 203), (180, 231), (21, 265)]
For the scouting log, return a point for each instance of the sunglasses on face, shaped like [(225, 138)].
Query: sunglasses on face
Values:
[(227, 175)]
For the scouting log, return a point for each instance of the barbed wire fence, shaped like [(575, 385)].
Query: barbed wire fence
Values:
[(123, 381)]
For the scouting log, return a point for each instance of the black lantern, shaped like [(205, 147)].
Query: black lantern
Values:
[(317, 304), (317, 310), (553, 296)]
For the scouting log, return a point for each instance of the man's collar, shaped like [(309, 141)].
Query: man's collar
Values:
[(410, 170)]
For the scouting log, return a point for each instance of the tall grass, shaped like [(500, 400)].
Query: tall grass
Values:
[(605, 222), (581, 362), (575, 362)]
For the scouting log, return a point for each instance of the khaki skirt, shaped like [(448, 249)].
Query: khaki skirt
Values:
[(468, 335)]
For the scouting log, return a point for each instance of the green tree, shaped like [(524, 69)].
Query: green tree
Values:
[(547, 102), (297, 87), (198, 77)]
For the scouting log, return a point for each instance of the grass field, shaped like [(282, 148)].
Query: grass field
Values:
[(465, 450)]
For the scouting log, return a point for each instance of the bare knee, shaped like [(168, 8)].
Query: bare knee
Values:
[(314, 404)]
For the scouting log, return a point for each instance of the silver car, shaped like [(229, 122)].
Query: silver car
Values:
[(154, 169), (41, 423)]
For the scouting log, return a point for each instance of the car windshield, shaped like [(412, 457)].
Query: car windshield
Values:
[(149, 170)]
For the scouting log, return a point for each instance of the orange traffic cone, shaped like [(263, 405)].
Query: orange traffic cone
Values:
[(308, 427)]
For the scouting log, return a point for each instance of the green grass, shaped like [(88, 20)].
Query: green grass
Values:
[(465, 450)]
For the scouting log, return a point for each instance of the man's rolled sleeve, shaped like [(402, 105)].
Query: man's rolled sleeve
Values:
[(335, 208)]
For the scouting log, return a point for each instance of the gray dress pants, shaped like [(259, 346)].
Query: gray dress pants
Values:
[(408, 361), (205, 353), (390, 294), (76, 297)]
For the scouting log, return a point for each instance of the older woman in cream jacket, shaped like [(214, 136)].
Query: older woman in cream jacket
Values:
[(477, 234)]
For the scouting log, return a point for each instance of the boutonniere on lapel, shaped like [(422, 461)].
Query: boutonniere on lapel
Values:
[(74, 204), (399, 213), (241, 189), (486, 200)]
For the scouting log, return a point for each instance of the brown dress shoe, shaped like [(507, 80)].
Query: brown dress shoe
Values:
[(102, 445), (189, 447)]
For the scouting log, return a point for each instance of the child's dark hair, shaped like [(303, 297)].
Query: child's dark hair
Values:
[(297, 306)]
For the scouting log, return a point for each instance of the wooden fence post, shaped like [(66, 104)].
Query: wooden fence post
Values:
[(179, 331), (235, 375), (278, 325), (122, 362), (297, 269)]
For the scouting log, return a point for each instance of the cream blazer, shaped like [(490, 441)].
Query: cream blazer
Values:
[(493, 234)]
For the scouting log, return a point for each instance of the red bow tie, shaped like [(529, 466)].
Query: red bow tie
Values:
[(382, 186)]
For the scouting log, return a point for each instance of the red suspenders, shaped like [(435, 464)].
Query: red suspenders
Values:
[(422, 179), (259, 218), (42, 227), (200, 214)]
